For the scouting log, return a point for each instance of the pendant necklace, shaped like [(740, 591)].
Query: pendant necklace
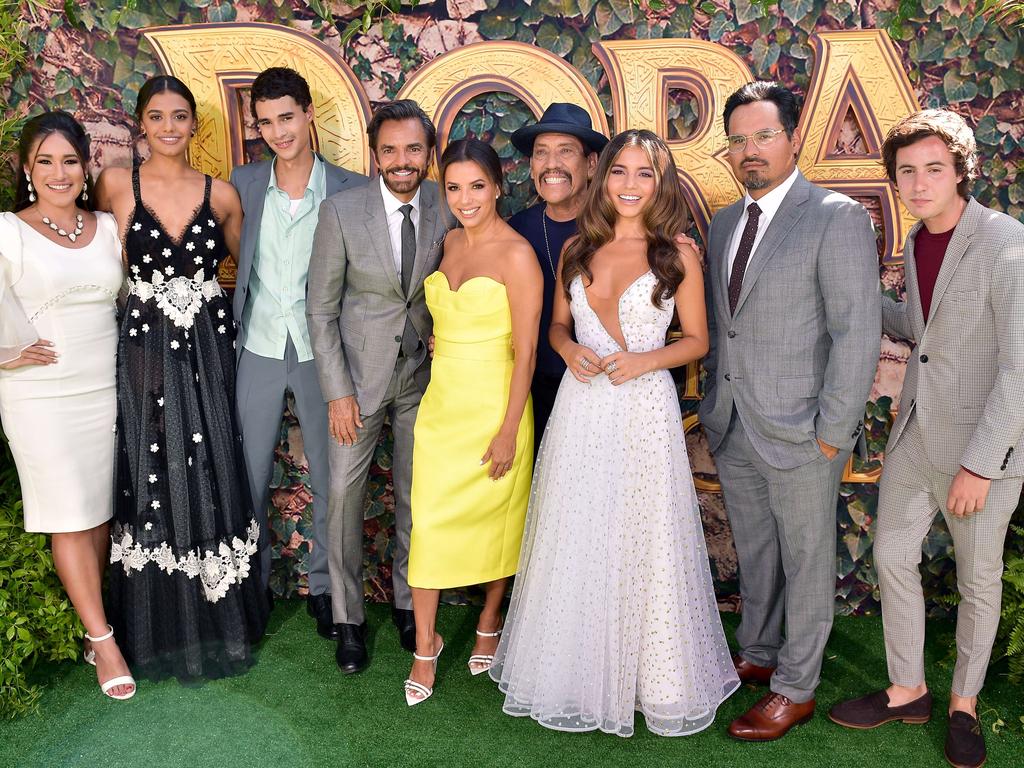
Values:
[(547, 243), (72, 236)]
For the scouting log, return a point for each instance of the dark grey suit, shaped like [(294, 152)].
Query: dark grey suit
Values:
[(793, 363), (262, 383), (961, 406), (357, 314)]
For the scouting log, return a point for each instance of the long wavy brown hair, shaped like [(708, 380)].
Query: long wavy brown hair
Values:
[(664, 216)]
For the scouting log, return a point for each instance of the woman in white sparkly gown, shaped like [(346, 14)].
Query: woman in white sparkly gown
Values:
[(613, 610), (60, 271)]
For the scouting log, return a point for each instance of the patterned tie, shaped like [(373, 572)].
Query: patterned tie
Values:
[(410, 339), (408, 246), (739, 265)]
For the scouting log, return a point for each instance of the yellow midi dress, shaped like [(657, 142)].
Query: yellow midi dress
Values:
[(467, 528)]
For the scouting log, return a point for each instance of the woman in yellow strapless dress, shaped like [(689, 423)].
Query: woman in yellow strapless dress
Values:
[(473, 441)]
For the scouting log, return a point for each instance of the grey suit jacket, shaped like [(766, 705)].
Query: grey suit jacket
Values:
[(965, 378), (251, 181), (798, 356), (356, 307)]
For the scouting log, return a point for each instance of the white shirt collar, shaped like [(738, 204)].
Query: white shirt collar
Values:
[(392, 203), (770, 202)]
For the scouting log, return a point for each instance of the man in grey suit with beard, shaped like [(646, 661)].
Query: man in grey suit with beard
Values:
[(953, 447), (369, 323), (795, 332), (280, 198)]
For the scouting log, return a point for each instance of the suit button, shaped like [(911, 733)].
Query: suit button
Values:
[(731, 334), (727, 377), (408, 305), (398, 339), (924, 358)]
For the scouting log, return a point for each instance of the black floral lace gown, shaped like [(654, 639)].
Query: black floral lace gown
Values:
[(186, 597)]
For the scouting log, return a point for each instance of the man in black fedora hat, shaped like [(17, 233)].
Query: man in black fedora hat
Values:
[(563, 148)]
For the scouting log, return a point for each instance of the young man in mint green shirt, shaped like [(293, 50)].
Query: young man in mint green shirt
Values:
[(281, 200)]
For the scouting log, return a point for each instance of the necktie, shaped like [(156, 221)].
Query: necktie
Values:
[(408, 246), (410, 339), (739, 265)]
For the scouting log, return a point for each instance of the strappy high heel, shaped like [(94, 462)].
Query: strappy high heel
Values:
[(412, 687), (113, 682), (481, 658)]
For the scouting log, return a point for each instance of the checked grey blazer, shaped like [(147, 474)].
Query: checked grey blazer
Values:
[(356, 307), (798, 355), (965, 379)]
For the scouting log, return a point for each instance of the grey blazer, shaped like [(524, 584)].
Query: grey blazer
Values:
[(356, 307), (251, 181), (965, 378), (798, 356)]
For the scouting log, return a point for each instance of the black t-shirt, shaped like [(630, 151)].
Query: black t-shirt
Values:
[(531, 224)]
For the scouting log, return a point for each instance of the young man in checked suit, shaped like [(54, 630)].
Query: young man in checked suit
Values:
[(956, 446)]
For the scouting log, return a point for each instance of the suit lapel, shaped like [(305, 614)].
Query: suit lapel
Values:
[(425, 233), (336, 179), (255, 196), (782, 224), (955, 251), (376, 224), (913, 297), (723, 231)]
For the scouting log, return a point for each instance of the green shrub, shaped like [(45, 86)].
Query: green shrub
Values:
[(37, 620), (1011, 627)]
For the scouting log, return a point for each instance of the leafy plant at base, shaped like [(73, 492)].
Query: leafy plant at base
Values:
[(12, 53), (37, 620), (1011, 625)]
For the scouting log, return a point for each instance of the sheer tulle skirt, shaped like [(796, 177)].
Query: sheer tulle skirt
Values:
[(613, 610)]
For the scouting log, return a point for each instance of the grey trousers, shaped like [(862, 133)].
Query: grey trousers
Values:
[(911, 493), (350, 465), (260, 386), (784, 527)]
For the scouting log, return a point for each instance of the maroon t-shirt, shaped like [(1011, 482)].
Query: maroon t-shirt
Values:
[(929, 251)]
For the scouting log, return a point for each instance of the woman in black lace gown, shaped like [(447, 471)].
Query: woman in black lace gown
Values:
[(185, 596)]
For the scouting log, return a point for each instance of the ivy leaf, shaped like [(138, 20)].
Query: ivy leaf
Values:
[(957, 89), (586, 6), (607, 22), (496, 26), (747, 11), (625, 10), (931, 6), (928, 48), (796, 9), (223, 12), (1001, 50), (720, 24), (764, 55), (553, 39), (681, 22)]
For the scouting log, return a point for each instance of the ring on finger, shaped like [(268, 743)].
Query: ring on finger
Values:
[(584, 364), (611, 367)]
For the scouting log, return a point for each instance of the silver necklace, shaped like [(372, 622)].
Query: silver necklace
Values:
[(547, 244), (72, 236)]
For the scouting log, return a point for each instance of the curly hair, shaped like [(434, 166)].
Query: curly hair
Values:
[(665, 216), (948, 126)]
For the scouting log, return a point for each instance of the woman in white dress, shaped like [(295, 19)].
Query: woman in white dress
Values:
[(614, 610), (60, 271)]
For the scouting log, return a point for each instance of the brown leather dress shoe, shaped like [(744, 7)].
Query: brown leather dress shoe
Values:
[(873, 710), (771, 718), (751, 673)]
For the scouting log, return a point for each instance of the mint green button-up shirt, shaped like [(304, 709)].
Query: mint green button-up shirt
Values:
[(275, 308)]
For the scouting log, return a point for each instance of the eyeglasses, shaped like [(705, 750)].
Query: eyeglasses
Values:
[(762, 139)]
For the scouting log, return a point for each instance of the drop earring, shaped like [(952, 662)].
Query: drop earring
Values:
[(31, 190), (85, 191)]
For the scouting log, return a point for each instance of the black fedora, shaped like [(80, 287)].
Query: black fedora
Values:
[(560, 118)]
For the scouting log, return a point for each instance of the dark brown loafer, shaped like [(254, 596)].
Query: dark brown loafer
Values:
[(771, 718), (751, 673), (873, 710), (965, 744)]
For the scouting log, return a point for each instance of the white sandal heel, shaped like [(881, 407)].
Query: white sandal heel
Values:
[(411, 686), (107, 685), (482, 658)]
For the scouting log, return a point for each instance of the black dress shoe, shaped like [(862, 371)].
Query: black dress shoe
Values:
[(965, 744), (319, 607), (405, 623), (351, 653)]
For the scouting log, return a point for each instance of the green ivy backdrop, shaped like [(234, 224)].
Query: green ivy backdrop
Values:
[(87, 58)]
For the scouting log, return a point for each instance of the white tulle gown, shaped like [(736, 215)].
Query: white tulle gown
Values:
[(613, 609)]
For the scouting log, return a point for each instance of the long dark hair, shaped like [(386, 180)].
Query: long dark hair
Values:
[(665, 216), (33, 134), (474, 151), (160, 84)]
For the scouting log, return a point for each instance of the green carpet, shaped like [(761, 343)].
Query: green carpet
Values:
[(295, 709)]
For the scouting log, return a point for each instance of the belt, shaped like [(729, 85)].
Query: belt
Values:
[(497, 350)]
